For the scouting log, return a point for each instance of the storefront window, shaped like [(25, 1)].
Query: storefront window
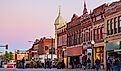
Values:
[(99, 54)]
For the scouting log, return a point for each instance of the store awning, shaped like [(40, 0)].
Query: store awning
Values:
[(75, 51)]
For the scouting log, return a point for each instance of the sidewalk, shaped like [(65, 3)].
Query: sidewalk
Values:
[(80, 69)]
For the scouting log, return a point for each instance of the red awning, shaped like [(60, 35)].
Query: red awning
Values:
[(75, 51)]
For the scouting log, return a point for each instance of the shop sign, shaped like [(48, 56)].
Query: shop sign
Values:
[(89, 51)]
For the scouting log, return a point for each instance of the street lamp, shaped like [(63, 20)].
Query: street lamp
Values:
[(92, 46), (63, 52), (63, 56), (92, 42), (47, 55)]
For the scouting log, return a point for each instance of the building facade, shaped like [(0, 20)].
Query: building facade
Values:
[(85, 36), (44, 51), (113, 30), (60, 36), (33, 51), (78, 37), (19, 54), (98, 32)]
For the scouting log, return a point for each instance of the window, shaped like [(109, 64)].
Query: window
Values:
[(115, 25), (75, 38), (99, 53), (72, 40), (80, 37), (89, 34), (98, 33), (69, 38), (108, 28), (111, 30), (46, 47), (98, 17), (101, 33), (84, 35), (93, 34), (119, 24), (112, 25)]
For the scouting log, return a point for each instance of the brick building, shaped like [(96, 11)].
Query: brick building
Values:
[(113, 30), (81, 31), (98, 32), (78, 36), (45, 45)]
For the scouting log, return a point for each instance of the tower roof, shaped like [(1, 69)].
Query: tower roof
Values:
[(60, 20)]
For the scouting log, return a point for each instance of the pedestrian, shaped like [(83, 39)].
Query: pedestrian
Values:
[(84, 61), (116, 65), (23, 62), (109, 64), (88, 63), (49, 64), (97, 63), (72, 63), (63, 64)]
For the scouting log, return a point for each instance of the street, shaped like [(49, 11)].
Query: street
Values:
[(3, 69)]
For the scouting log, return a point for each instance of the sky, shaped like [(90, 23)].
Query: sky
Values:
[(26, 20)]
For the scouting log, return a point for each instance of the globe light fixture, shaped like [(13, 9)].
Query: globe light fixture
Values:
[(47, 53), (64, 49), (93, 42)]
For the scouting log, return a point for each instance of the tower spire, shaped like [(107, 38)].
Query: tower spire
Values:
[(85, 8), (59, 10)]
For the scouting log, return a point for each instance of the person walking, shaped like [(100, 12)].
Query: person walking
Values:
[(97, 63), (116, 65), (109, 64), (23, 62), (88, 63), (84, 61)]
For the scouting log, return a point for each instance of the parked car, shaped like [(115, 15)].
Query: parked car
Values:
[(11, 64)]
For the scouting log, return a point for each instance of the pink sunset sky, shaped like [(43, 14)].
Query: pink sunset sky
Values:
[(25, 20)]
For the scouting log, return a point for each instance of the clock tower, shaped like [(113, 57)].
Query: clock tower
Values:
[(59, 22)]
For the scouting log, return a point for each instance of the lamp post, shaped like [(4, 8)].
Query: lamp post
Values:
[(92, 46), (63, 52), (47, 55), (63, 58)]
